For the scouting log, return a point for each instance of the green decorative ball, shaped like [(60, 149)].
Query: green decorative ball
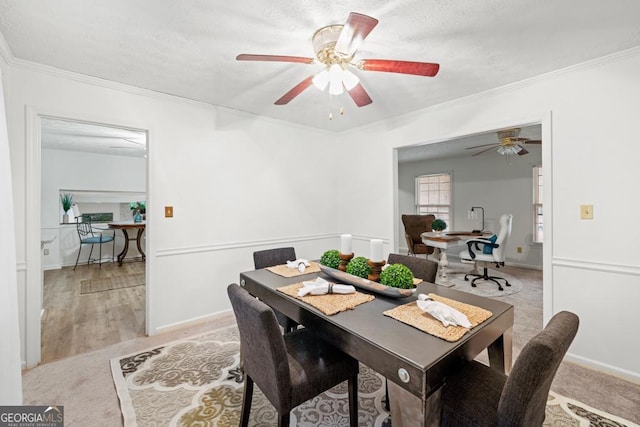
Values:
[(359, 266), (438, 225), (331, 258), (397, 276)]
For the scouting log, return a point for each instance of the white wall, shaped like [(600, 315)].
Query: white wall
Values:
[(592, 159), (487, 181), (10, 378), (237, 183), (75, 170)]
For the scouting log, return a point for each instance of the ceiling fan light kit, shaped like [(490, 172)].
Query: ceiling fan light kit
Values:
[(510, 143), (335, 47)]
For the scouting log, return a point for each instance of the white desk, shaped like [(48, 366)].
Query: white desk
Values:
[(443, 241)]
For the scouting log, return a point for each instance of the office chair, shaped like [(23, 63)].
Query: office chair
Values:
[(289, 369), (489, 250)]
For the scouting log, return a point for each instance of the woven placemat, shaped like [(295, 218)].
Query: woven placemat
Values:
[(329, 304), (284, 271), (412, 315)]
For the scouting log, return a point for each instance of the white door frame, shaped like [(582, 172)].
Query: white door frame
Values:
[(33, 223)]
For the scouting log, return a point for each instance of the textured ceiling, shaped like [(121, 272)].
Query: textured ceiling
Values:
[(188, 48)]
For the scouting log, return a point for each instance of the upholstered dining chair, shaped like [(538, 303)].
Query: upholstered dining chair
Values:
[(270, 258), (424, 269), (289, 369), (489, 250), (88, 235), (480, 396), (414, 226)]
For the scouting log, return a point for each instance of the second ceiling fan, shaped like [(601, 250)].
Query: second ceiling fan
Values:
[(335, 47), (510, 142)]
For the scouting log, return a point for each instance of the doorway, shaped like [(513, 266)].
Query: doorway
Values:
[(70, 153)]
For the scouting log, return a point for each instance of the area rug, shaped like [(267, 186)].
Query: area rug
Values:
[(188, 382), (90, 286), (485, 288)]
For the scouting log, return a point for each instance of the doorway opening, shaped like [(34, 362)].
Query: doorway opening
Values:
[(104, 167)]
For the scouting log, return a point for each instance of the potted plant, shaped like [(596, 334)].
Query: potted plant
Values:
[(397, 276), (438, 225), (66, 199), (138, 210)]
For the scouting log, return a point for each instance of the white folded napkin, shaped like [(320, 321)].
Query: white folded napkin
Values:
[(444, 313), (299, 264), (321, 287)]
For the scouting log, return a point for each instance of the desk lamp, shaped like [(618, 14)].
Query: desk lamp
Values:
[(473, 214)]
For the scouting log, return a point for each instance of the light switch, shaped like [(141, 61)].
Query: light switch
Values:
[(168, 211), (586, 211)]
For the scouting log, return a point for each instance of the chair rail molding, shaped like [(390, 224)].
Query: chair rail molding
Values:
[(597, 266)]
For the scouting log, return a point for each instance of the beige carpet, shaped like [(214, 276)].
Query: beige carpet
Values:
[(486, 288), (188, 382), (90, 286)]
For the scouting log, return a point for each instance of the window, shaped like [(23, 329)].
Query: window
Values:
[(433, 196), (538, 223)]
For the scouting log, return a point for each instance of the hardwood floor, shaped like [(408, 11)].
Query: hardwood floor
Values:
[(75, 323)]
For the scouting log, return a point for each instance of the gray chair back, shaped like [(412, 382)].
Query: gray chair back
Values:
[(271, 257), (262, 347), (421, 268), (524, 397)]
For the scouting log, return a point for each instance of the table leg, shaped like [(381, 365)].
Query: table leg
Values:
[(444, 263), (501, 352), (408, 410), (122, 254), (138, 239)]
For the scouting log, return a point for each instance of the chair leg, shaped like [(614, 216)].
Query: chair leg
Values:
[(100, 252), (485, 276), (352, 385), (284, 420), (78, 257), (246, 401), (90, 253), (386, 396)]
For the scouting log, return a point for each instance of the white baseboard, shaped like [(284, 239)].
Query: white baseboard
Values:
[(633, 377), (192, 322)]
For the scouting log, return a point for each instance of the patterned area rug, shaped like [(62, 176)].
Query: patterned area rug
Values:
[(89, 286), (485, 288), (190, 382)]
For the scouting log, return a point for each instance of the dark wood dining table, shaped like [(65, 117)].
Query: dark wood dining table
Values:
[(415, 363), (130, 225)]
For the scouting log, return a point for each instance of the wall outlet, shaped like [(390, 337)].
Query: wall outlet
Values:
[(586, 211), (519, 249), (46, 251), (168, 211)]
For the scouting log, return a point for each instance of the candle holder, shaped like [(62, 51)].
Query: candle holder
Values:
[(376, 268), (344, 260)]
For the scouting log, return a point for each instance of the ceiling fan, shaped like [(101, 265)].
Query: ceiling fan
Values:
[(509, 143), (335, 47)]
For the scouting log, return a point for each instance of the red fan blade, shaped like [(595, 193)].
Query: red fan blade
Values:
[(403, 67), (355, 30), (522, 152), (360, 96), (297, 90), (483, 151), (274, 58)]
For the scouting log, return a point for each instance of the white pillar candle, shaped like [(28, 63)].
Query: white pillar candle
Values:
[(345, 244), (376, 250)]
